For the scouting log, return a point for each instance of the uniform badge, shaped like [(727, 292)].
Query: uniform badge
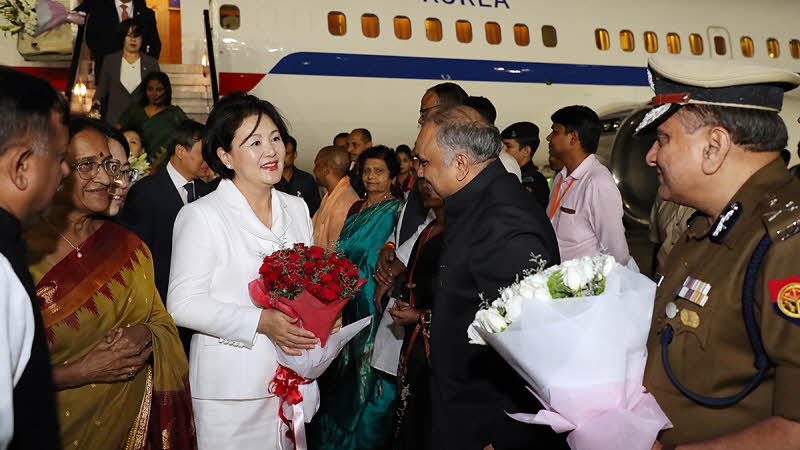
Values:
[(785, 296), (695, 291)]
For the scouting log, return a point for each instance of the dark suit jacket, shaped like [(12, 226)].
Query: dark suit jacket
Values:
[(35, 423), (490, 235), (535, 182), (150, 211), (303, 185), (113, 96), (101, 28)]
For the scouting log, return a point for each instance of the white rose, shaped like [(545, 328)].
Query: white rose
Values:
[(538, 280), (608, 264), (514, 307), (525, 291), (574, 276), (499, 304), (491, 320), (474, 336)]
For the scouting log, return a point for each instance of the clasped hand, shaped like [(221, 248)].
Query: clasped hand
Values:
[(122, 354)]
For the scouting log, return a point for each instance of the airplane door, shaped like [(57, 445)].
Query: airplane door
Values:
[(719, 43)]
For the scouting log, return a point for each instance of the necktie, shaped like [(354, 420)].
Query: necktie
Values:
[(125, 15), (190, 197)]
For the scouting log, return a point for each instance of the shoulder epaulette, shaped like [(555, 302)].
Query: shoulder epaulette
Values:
[(782, 212)]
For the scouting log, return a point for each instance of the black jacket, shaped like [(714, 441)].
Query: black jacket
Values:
[(304, 186), (535, 182), (101, 28), (35, 423), (490, 235), (150, 211)]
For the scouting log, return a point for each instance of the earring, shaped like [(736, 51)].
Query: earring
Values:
[(229, 166)]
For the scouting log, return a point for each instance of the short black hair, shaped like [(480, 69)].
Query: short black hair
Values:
[(290, 140), (78, 123), (226, 117), (584, 121), (449, 94), (26, 106), (125, 27), (403, 148), (365, 132), (343, 134), (484, 107), (185, 134), (117, 135), (787, 156), (162, 78), (384, 153), (754, 130)]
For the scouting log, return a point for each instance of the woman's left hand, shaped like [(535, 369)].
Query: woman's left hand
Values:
[(337, 325), (404, 314), (130, 340)]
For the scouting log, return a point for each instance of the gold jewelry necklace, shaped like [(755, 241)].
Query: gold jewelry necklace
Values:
[(77, 248)]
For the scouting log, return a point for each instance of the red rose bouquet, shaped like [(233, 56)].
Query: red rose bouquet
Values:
[(308, 283)]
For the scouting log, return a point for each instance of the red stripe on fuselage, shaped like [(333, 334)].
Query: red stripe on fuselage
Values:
[(236, 81), (57, 76)]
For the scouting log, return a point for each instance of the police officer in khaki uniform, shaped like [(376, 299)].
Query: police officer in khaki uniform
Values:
[(724, 344)]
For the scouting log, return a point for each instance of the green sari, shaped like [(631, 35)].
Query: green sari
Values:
[(155, 130), (356, 400), (111, 286)]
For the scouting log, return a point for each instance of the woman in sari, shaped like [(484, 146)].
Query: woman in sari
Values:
[(154, 116), (412, 414), (357, 401), (118, 365)]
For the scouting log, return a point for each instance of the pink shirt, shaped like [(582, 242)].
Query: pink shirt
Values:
[(329, 218), (588, 219)]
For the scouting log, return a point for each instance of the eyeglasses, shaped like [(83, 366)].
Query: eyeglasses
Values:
[(89, 169), (132, 175), (424, 112)]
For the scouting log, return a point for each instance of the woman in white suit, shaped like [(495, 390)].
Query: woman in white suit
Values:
[(219, 242)]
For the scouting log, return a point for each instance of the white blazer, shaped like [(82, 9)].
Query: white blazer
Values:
[(218, 245)]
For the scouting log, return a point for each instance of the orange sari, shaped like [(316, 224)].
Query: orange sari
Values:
[(112, 286)]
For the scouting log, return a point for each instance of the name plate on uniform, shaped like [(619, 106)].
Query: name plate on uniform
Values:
[(695, 291)]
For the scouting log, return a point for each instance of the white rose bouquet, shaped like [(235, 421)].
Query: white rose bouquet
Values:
[(577, 334), (34, 17)]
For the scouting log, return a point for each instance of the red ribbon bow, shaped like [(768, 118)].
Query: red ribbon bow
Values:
[(286, 385)]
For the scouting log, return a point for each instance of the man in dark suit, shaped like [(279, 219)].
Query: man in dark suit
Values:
[(104, 16), (154, 202), (358, 140), (491, 235), (297, 182), (33, 143)]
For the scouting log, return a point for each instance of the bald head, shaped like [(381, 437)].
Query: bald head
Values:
[(331, 165)]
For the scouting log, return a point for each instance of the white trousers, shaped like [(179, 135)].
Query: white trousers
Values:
[(237, 424)]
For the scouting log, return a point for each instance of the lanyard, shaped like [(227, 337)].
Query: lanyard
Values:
[(556, 198)]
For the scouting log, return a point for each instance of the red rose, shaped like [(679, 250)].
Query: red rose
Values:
[(326, 278), (309, 267), (294, 257), (305, 281), (328, 295), (335, 288), (316, 252), (314, 289)]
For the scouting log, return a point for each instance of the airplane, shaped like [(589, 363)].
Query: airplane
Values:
[(335, 65)]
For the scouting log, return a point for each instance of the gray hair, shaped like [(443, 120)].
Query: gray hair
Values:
[(462, 129)]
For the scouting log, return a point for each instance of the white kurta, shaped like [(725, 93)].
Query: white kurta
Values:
[(16, 338), (218, 247)]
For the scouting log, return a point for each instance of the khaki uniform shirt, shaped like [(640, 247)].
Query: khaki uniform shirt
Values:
[(668, 222), (710, 353)]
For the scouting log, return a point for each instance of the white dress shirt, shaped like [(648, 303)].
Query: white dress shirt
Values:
[(218, 245), (129, 5), (511, 164), (179, 182), (130, 75), (16, 338)]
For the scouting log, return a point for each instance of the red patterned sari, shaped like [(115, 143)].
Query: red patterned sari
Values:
[(112, 286)]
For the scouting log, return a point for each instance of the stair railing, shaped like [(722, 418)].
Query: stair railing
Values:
[(212, 66)]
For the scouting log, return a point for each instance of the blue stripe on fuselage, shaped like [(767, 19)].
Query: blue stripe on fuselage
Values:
[(420, 68)]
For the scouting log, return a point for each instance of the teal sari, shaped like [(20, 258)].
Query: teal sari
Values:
[(356, 400)]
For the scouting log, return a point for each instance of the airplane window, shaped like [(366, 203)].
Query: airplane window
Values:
[(402, 27), (748, 49), (794, 48), (601, 39), (493, 33), (464, 31), (337, 23), (673, 43), (229, 17), (650, 42), (433, 29), (696, 44), (521, 35), (626, 40), (773, 49), (720, 46), (549, 36), (370, 25)]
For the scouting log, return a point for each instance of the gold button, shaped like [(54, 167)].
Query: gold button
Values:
[(92, 385), (97, 422), (75, 443), (67, 413)]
